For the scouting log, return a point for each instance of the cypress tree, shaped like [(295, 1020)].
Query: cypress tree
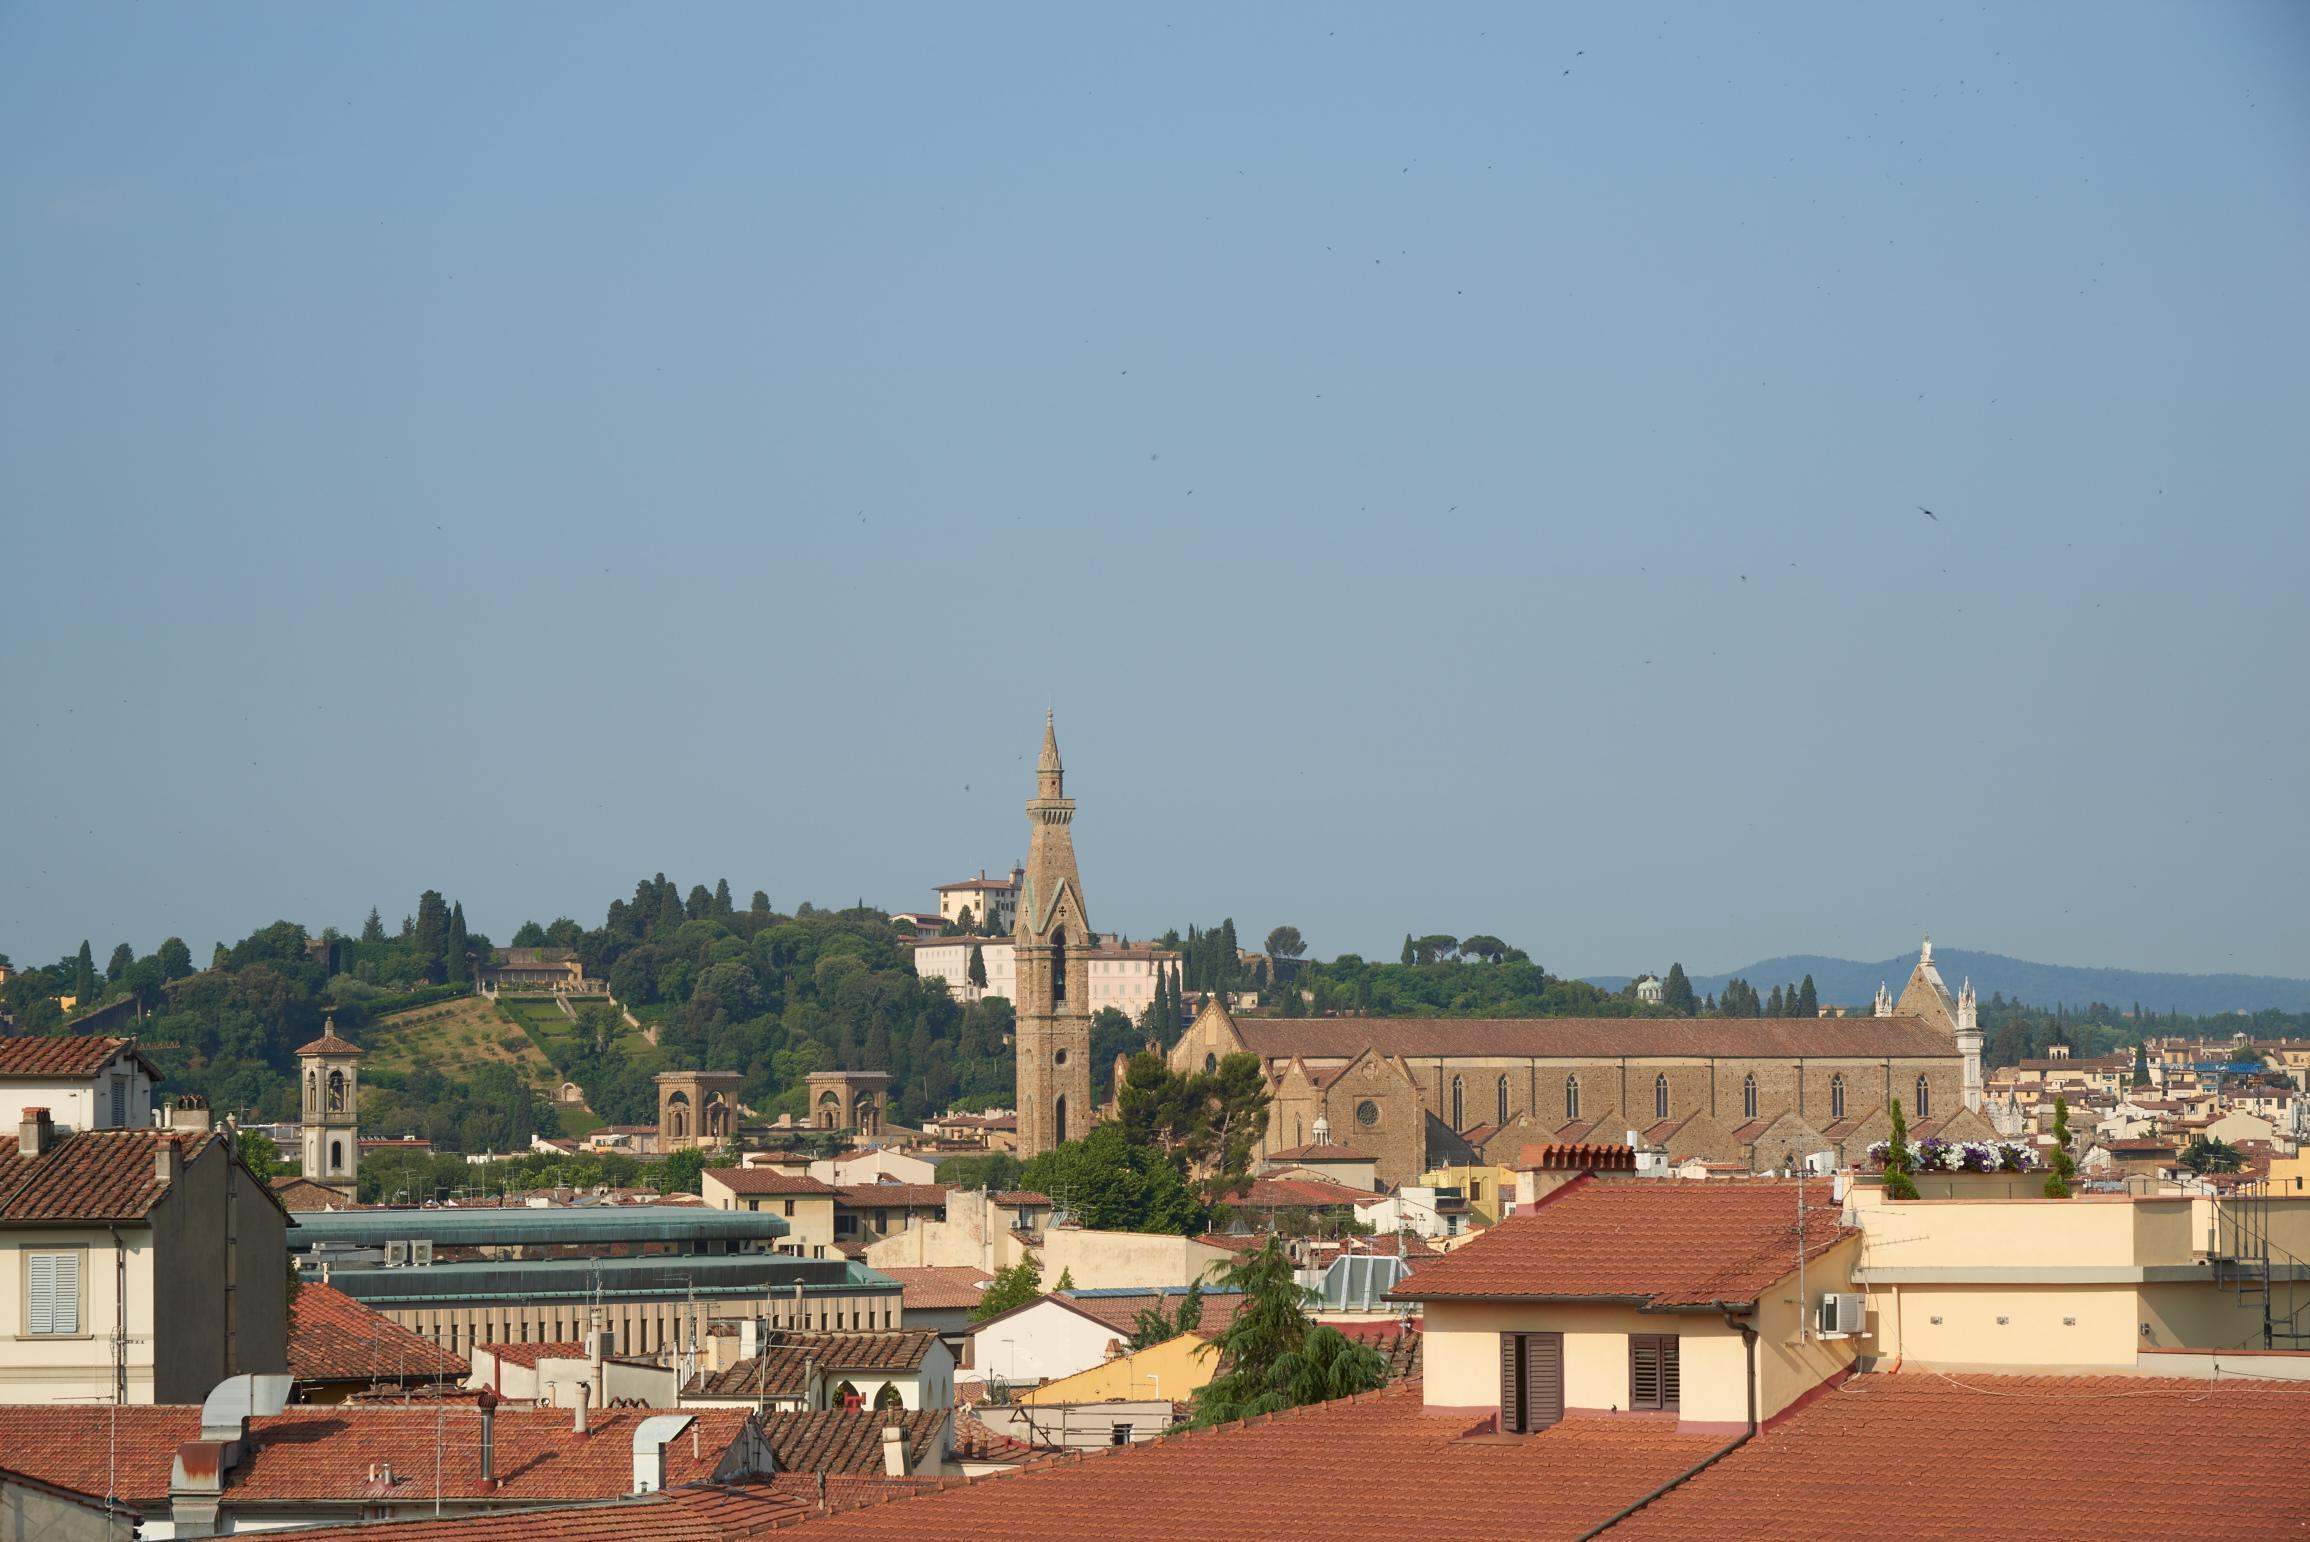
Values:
[(1774, 1006), (978, 967), (1808, 999), (84, 977), (1898, 1184), (453, 953), (2064, 1165), (1407, 958), (1676, 991), (722, 902)]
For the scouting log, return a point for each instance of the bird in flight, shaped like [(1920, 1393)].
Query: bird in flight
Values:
[(1928, 513)]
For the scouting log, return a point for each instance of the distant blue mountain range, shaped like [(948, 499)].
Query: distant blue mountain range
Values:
[(1843, 981)]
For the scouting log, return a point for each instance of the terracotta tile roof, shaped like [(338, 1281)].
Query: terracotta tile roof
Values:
[(325, 1452), (1972, 1476), (1019, 1199), (777, 1371), (939, 1289), (1669, 1241), (1590, 1038), (1408, 1473), (978, 1441), (333, 1337), (763, 1180), (1400, 1348), (329, 1044), (839, 1440), (57, 1056), (894, 1196), (706, 1513), (300, 1194), (96, 1175), (1120, 1309), (530, 1354), (1279, 1193), (1320, 1153)]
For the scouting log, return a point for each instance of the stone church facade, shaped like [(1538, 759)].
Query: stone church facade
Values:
[(1418, 1093)]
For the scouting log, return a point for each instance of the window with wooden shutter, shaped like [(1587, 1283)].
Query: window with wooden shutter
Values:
[(1531, 1381), (52, 1293), (1653, 1374)]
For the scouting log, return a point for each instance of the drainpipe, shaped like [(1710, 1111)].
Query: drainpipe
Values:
[(1748, 1335)]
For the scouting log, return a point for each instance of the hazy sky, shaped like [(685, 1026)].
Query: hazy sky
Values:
[(1450, 472)]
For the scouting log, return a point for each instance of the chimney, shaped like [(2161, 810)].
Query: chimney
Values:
[(167, 1159), (810, 1379), (189, 1112), (487, 1403), (585, 1395), (650, 1438), (893, 1451), (36, 1134)]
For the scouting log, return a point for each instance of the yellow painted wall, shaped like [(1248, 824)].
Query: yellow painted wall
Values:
[(1482, 1185), (1114, 1260), (1792, 1358), (1462, 1355), (1174, 1369)]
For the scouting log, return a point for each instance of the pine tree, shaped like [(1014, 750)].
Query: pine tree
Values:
[(1676, 991), (455, 968), (2064, 1165), (373, 929), (1898, 1183), (1808, 999), (722, 902)]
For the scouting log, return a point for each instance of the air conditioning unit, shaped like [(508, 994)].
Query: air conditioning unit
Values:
[(1844, 1314), (396, 1254), (421, 1252)]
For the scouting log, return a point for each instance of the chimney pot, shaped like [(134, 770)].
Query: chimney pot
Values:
[(35, 1134), (167, 1160), (487, 1403), (893, 1451)]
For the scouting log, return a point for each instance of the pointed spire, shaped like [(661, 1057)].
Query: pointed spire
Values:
[(1049, 759)]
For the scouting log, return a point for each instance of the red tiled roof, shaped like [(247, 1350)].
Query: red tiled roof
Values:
[(778, 1370), (1121, 1312), (838, 1440), (764, 1180), (1320, 1153), (329, 1044), (301, 1194), (692, 1513), (529, 1354), (936, 1289), (1669, 1241), (2189, 1458), (96, 1175), (1405, 1472), (325, 1452), (333, 1337), (49, 1057), (1020, 1199), (1591, 1038), (895, 1196), (1277, 1193)]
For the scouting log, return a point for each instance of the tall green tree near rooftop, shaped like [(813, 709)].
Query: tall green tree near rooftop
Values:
[(2141, 1064), (175, 959), (1271, 1356), (1898, 1183), (977, 971), (2064, 1166), (373, 929), (84, 977), (1808, 998), (122, 958), (1676, 992), (1013, 1287)]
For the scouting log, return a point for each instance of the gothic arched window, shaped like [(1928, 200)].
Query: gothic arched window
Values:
[(1924, 1099), (1571, 1097), (1837, 1096), (1749, 1096), (1502, 1116), (1059, 965), (1660, 1096), (1459, 1111), (1059, 1120)]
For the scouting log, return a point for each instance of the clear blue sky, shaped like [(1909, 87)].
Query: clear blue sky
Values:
[(516, 449)]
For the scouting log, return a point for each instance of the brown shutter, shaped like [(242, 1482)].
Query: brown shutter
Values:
[(1643, 1371), (1511, 1383), (1671, 1375), (1543, 1379)]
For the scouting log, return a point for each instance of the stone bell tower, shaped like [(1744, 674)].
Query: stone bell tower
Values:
[(330, 1130), (1053, 942)]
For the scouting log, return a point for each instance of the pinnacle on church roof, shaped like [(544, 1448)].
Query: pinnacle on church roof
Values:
[(1049, 759)]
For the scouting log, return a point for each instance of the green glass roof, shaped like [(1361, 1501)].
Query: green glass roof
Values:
[(757, 1275), (520, 1224)]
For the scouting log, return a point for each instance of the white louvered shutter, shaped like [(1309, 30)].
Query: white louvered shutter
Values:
[(52, 1293)]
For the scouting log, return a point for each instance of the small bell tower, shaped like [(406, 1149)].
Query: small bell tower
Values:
[(330, 1133)]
